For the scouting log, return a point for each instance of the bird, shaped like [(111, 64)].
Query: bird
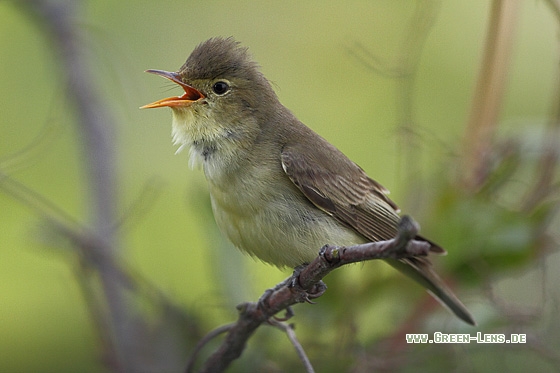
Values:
[(279, 191)]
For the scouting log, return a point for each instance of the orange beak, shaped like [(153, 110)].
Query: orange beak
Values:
[(191, 94)]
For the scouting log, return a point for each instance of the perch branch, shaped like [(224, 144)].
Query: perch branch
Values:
[(306, 284)]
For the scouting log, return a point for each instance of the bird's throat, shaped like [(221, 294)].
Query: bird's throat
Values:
[(210, 145)]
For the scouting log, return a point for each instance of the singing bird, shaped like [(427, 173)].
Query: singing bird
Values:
[(279, 191)]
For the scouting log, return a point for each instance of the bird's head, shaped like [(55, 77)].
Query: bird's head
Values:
[(225, 96)]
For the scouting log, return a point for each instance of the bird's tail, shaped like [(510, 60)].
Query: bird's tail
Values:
[(420, 270)]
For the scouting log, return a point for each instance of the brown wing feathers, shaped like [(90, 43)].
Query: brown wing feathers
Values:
[(353, 198)]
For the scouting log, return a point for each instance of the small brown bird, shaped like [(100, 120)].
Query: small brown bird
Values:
[(279, 191)]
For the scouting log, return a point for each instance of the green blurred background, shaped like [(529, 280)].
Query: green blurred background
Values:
[(308, 50)]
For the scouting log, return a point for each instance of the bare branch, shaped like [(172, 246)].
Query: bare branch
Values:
[(306, 284)]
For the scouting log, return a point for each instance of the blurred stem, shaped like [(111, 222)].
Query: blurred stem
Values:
[(555, 5), (488, 94), (416, 34), (98, 154), (545, 170)]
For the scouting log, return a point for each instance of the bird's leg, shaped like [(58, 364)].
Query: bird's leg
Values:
[(306, 295)]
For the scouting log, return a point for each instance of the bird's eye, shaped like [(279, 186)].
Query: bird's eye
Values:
[(220, 88)]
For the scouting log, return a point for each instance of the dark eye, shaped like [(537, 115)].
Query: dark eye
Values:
[(220, 88)]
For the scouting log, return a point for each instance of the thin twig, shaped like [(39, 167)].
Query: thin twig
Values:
[(141, 204), (416, 34), (289, 330), (35, 150), (202, 342), (404, 71), (37, 202)]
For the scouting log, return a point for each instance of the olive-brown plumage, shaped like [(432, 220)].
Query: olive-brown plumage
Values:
[(279, 191)]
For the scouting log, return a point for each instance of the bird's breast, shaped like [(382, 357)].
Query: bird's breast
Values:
[(263, 214)]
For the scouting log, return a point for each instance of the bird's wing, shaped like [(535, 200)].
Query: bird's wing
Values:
[(343, 190)]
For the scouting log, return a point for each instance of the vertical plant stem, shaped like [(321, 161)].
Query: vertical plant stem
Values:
[(417, 32), (489, 92)]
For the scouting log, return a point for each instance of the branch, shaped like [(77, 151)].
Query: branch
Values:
[(289, 330), (305, 284)]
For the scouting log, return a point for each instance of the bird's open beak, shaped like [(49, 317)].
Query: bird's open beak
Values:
[(191, 94)]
